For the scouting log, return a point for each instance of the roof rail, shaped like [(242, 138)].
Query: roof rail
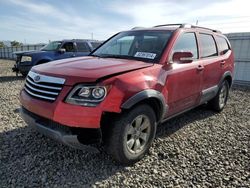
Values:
[(185, 25), (213, 30)]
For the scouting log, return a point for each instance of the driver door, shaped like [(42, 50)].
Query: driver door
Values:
[(70, 50), (184, 80)]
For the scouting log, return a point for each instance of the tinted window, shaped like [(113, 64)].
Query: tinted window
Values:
[(68, 46), (208, 46), (82, 47), (222, 45), (187, 43), (95, 44)]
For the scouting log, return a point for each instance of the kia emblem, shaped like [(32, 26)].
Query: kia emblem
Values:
[(36, 78)]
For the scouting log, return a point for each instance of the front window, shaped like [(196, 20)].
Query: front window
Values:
[(52, 46), (138, 45)]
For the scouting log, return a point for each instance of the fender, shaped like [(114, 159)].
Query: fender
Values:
[(147, 94), (42, 60)]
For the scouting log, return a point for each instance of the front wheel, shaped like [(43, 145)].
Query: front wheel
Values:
[(131, 135), (220, 100)]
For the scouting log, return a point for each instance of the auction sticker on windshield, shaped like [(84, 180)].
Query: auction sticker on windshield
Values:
[(145, 55)]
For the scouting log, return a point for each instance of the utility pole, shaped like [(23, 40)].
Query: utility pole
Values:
[(197, 21)]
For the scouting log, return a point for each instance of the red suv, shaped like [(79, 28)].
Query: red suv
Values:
[(137, 79)]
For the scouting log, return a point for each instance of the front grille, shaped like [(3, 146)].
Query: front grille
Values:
[(43, 87)]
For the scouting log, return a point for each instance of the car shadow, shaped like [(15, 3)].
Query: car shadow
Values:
[(27, 157), (173, 125), (10, 78)]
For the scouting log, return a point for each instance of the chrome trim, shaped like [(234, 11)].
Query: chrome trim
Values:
[(42, 91), (40, 96), (48, 79), (39, 85)]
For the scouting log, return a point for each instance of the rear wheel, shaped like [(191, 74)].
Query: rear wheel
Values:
[(220, 100), (131, 135)]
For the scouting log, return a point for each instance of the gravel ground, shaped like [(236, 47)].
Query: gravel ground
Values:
[(197, 149)]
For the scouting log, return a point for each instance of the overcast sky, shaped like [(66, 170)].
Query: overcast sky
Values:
[(33, 21)]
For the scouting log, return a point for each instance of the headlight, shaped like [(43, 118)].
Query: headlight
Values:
[(87, 95), (26, 58)]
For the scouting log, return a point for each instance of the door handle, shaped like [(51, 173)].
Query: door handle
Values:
[(223, 62), (200, 67), (73, 55)]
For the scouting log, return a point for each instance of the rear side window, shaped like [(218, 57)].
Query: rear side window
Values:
[(222, 45), (208, 46), (187, 43), (82, 47)]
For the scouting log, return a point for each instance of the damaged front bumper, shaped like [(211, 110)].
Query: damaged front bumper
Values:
[(78, 138)]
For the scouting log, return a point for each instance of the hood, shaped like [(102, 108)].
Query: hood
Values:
[(88, 69), (30, 53)]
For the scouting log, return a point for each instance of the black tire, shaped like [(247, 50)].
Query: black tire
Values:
[(119, 135), (24, 74), (219, 101)]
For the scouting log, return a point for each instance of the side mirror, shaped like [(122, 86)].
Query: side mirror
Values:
[(182, 57), (62, 50)]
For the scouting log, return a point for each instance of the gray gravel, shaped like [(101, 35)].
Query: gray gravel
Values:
[(198, 149)]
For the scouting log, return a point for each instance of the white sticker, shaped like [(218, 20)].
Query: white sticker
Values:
[(145, 55)]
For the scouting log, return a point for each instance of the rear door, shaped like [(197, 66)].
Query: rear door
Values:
[(211, 62), (184, 80), (224, 53)]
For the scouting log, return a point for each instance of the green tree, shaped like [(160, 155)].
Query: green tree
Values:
[(15, 43), (2, 44)]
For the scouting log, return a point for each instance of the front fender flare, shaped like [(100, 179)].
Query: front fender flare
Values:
[(147, 94)]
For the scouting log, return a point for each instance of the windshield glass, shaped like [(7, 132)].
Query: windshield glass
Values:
[(138, 45), (52, 46)]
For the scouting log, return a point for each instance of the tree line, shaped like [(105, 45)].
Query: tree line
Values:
[(13, 43)]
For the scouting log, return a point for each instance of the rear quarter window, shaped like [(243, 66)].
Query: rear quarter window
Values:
[(223, 46), (207, 45)]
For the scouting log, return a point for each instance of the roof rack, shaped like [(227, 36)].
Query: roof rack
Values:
[(185, 25), (213, 30)]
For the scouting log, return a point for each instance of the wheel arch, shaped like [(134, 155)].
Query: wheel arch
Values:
[(153, 98), (228, 77)]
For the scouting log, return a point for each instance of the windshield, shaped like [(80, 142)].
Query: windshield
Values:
[(52, 46), (138, 45)]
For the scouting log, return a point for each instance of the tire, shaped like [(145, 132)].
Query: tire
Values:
[(24, 74), (219, 101), (131, 135)]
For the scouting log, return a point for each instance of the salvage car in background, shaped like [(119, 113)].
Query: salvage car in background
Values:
[(53, 51)]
